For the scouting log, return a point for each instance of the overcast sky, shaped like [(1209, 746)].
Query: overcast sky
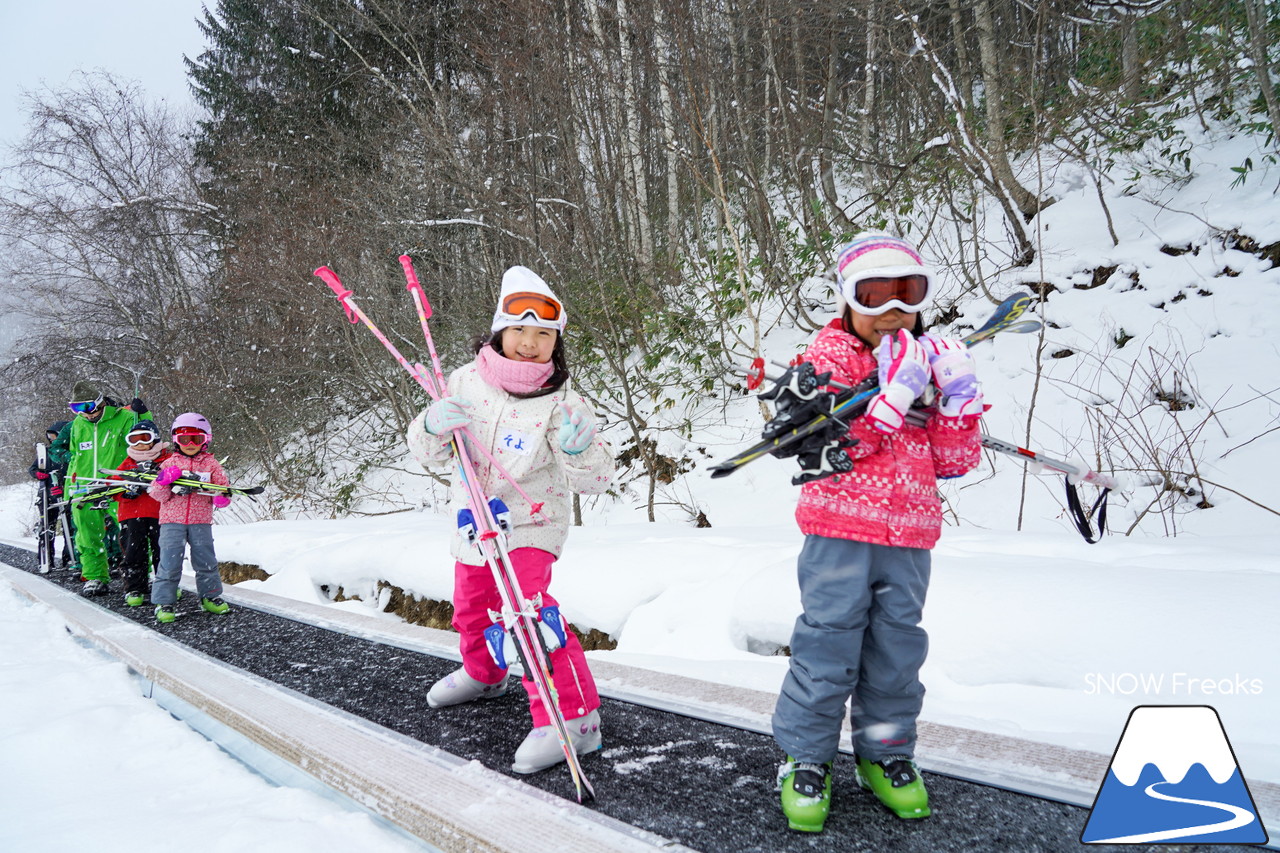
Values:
[(43, 42)]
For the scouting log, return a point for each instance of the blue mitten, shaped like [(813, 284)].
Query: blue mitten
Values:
[(576, 430), (447, 414)]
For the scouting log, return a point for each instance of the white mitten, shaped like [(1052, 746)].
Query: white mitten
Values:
[(953, 372), (904, 374)]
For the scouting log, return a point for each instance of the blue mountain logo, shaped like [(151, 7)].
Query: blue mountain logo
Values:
[(1174, 778)]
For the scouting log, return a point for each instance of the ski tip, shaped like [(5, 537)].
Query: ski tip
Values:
[(1023, 327), (721, 471)]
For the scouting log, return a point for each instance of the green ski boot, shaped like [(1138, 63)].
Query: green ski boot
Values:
[(133, 598), (165, 614), (896, 782), (215, 605), (806, 794)]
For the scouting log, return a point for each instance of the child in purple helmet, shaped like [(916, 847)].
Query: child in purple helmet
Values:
[(186, 518)]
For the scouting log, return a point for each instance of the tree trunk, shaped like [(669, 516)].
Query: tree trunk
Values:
[(997, 148), (635, 166), (1131, 77), (869, 97), (826, 153), (1256, 12), (667, 112), (964, 65)]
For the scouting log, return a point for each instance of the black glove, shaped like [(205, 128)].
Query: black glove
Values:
[(132, 492), (138, 406)]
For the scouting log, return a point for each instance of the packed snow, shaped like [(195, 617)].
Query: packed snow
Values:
[(90, 764)]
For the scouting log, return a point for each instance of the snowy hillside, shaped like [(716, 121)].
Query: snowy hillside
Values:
[(1158, 362)]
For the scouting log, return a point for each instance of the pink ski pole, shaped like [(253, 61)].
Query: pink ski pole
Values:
[(418, 372), (355, 315), (423, 306)]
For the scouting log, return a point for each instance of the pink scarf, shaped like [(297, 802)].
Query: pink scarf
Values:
[(514, 377), (139, 455)]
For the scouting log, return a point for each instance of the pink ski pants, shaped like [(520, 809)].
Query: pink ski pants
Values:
[(475, 594)]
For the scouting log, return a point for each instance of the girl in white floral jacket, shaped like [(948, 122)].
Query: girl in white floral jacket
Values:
[(516, 400)]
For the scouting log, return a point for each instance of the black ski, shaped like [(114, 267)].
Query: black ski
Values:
[(43, 533)]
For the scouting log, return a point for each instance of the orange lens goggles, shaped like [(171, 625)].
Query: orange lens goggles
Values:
[(910, 290), (539, 304)]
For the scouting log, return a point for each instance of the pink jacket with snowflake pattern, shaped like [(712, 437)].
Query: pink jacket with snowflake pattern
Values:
[(891, 496), (188, 509)]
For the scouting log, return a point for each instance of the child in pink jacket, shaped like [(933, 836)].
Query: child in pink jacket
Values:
[(864, 567), (186, 518), (516, 400)]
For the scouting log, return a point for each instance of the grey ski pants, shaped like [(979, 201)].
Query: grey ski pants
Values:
[(174, 539), (859, 637)]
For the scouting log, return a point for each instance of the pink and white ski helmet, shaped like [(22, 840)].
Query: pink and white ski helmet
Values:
[(192, 419)]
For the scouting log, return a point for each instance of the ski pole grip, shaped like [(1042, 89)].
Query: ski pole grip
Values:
[(330, 278), (411, 285)]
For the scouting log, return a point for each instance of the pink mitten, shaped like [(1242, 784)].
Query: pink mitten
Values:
[(904, 374), (221, 501), (168, 475)]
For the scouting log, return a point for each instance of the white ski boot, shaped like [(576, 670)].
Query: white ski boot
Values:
[(541, 748), (458, 687)]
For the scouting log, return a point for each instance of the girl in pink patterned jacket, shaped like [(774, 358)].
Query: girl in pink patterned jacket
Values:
[(517, 401), (186, 518), (864, 567)]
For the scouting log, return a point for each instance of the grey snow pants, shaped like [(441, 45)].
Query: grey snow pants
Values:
[(859, 637), (174, 539)]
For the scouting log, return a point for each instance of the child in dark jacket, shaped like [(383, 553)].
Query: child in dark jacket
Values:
[(139, 513), (186, 517), (51, 480)]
